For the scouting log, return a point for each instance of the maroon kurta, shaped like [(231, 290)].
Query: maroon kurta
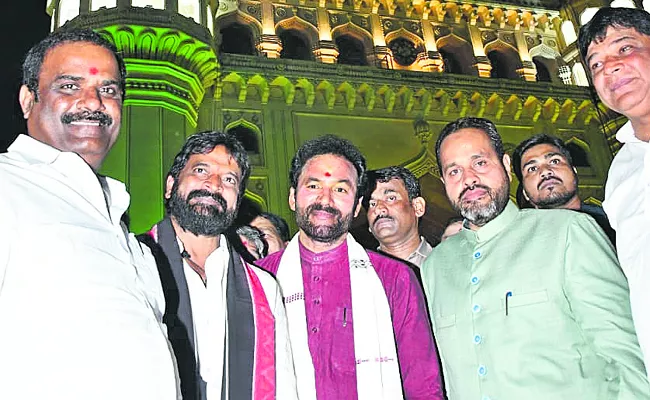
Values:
[(328, 305)]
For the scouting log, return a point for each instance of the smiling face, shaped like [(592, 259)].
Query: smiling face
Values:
[(392, 217), (204, 197), (619, 68), (475, 179), (325, 200), (548, 178), (79, 103)]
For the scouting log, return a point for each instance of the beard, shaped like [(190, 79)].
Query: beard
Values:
[(479, 213), (201, 219), (556, 198), (323, 233)]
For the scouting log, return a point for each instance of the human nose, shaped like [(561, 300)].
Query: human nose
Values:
[(213, 183), (546, 171), (380, 208), (470, 178), (325, 197), (612, 65), (91, 100)]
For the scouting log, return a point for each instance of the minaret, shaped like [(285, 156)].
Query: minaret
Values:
[(171, 63)]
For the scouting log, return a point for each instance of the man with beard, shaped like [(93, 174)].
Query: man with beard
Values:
[(394, 205), (80, 299), (357, 319), (615, 46), (543, 165), (525, 304), (225, 318)]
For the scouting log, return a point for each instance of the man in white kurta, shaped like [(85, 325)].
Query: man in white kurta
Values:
[(80, 299), (616, 47)]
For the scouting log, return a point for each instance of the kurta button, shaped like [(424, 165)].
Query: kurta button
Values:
[(316, 278), (477, 339), (475, 280), (482, 371), (314, 329), (476, 308), (478, 255), (317, 301)]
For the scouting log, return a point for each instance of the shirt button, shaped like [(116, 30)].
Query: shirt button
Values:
[(476, 308), (314, 329), (477, 339), (316, 278), (316, 301), (482, 371), (478, 255), (475, 280)]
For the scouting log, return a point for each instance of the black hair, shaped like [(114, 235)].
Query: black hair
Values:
[(278, 223), (482, 124), (204, 143), (533, 141), (384, 175), (453, 220), (329, 144), (35, 56), (619, 17)]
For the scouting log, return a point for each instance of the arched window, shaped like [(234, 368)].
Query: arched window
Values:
[(623, 4), (190, 9), (159, 4), (543, 74), (504, 64), (578, 155), (580, 75), (68, 9), (237, 38), (97, 4), (351, 51), (457, 55), (247, 137), (569, 32), (588, 14), (294, 45), (209, 18)]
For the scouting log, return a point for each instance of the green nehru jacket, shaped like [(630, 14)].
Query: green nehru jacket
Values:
[(531, 306)]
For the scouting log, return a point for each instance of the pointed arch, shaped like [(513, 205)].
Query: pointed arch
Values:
[(457, 55), (354, 44), (504, 59)]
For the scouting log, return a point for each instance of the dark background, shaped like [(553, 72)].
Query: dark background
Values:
[(24, 23)]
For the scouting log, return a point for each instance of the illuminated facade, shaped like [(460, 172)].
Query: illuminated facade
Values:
[(386, 74)]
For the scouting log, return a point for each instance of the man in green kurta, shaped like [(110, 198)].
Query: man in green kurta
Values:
[(525, 304)]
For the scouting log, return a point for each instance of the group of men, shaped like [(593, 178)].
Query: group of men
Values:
[(524, 303)]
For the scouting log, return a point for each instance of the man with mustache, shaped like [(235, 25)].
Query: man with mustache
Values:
[(357, 319), (549, 180), (615, 45), (225, 318), (394, 206), (80, 299), (525, 304)]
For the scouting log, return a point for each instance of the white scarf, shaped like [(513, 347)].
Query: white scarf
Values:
[(377, 366)]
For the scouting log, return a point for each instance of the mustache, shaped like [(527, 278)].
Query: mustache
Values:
[(320, 207), (548, 179), (103, 118), (382, 217), (467, 189), (206, 193)]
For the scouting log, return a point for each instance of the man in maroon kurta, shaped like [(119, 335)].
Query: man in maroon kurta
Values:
[(327, 177)]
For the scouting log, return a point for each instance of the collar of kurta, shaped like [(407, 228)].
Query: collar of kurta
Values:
[(494, 227)]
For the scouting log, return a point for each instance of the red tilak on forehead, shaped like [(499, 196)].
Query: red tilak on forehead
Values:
[(328, 174), (93, 71)]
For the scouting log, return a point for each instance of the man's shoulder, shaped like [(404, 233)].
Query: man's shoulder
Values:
[(391, 269), (271, 262)]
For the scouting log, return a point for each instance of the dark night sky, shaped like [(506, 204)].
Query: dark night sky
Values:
[(25, 22)]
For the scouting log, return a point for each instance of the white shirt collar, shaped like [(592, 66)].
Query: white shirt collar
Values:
[(626, 134)]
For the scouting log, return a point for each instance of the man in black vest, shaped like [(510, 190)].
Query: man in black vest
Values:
[(224, 317)]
